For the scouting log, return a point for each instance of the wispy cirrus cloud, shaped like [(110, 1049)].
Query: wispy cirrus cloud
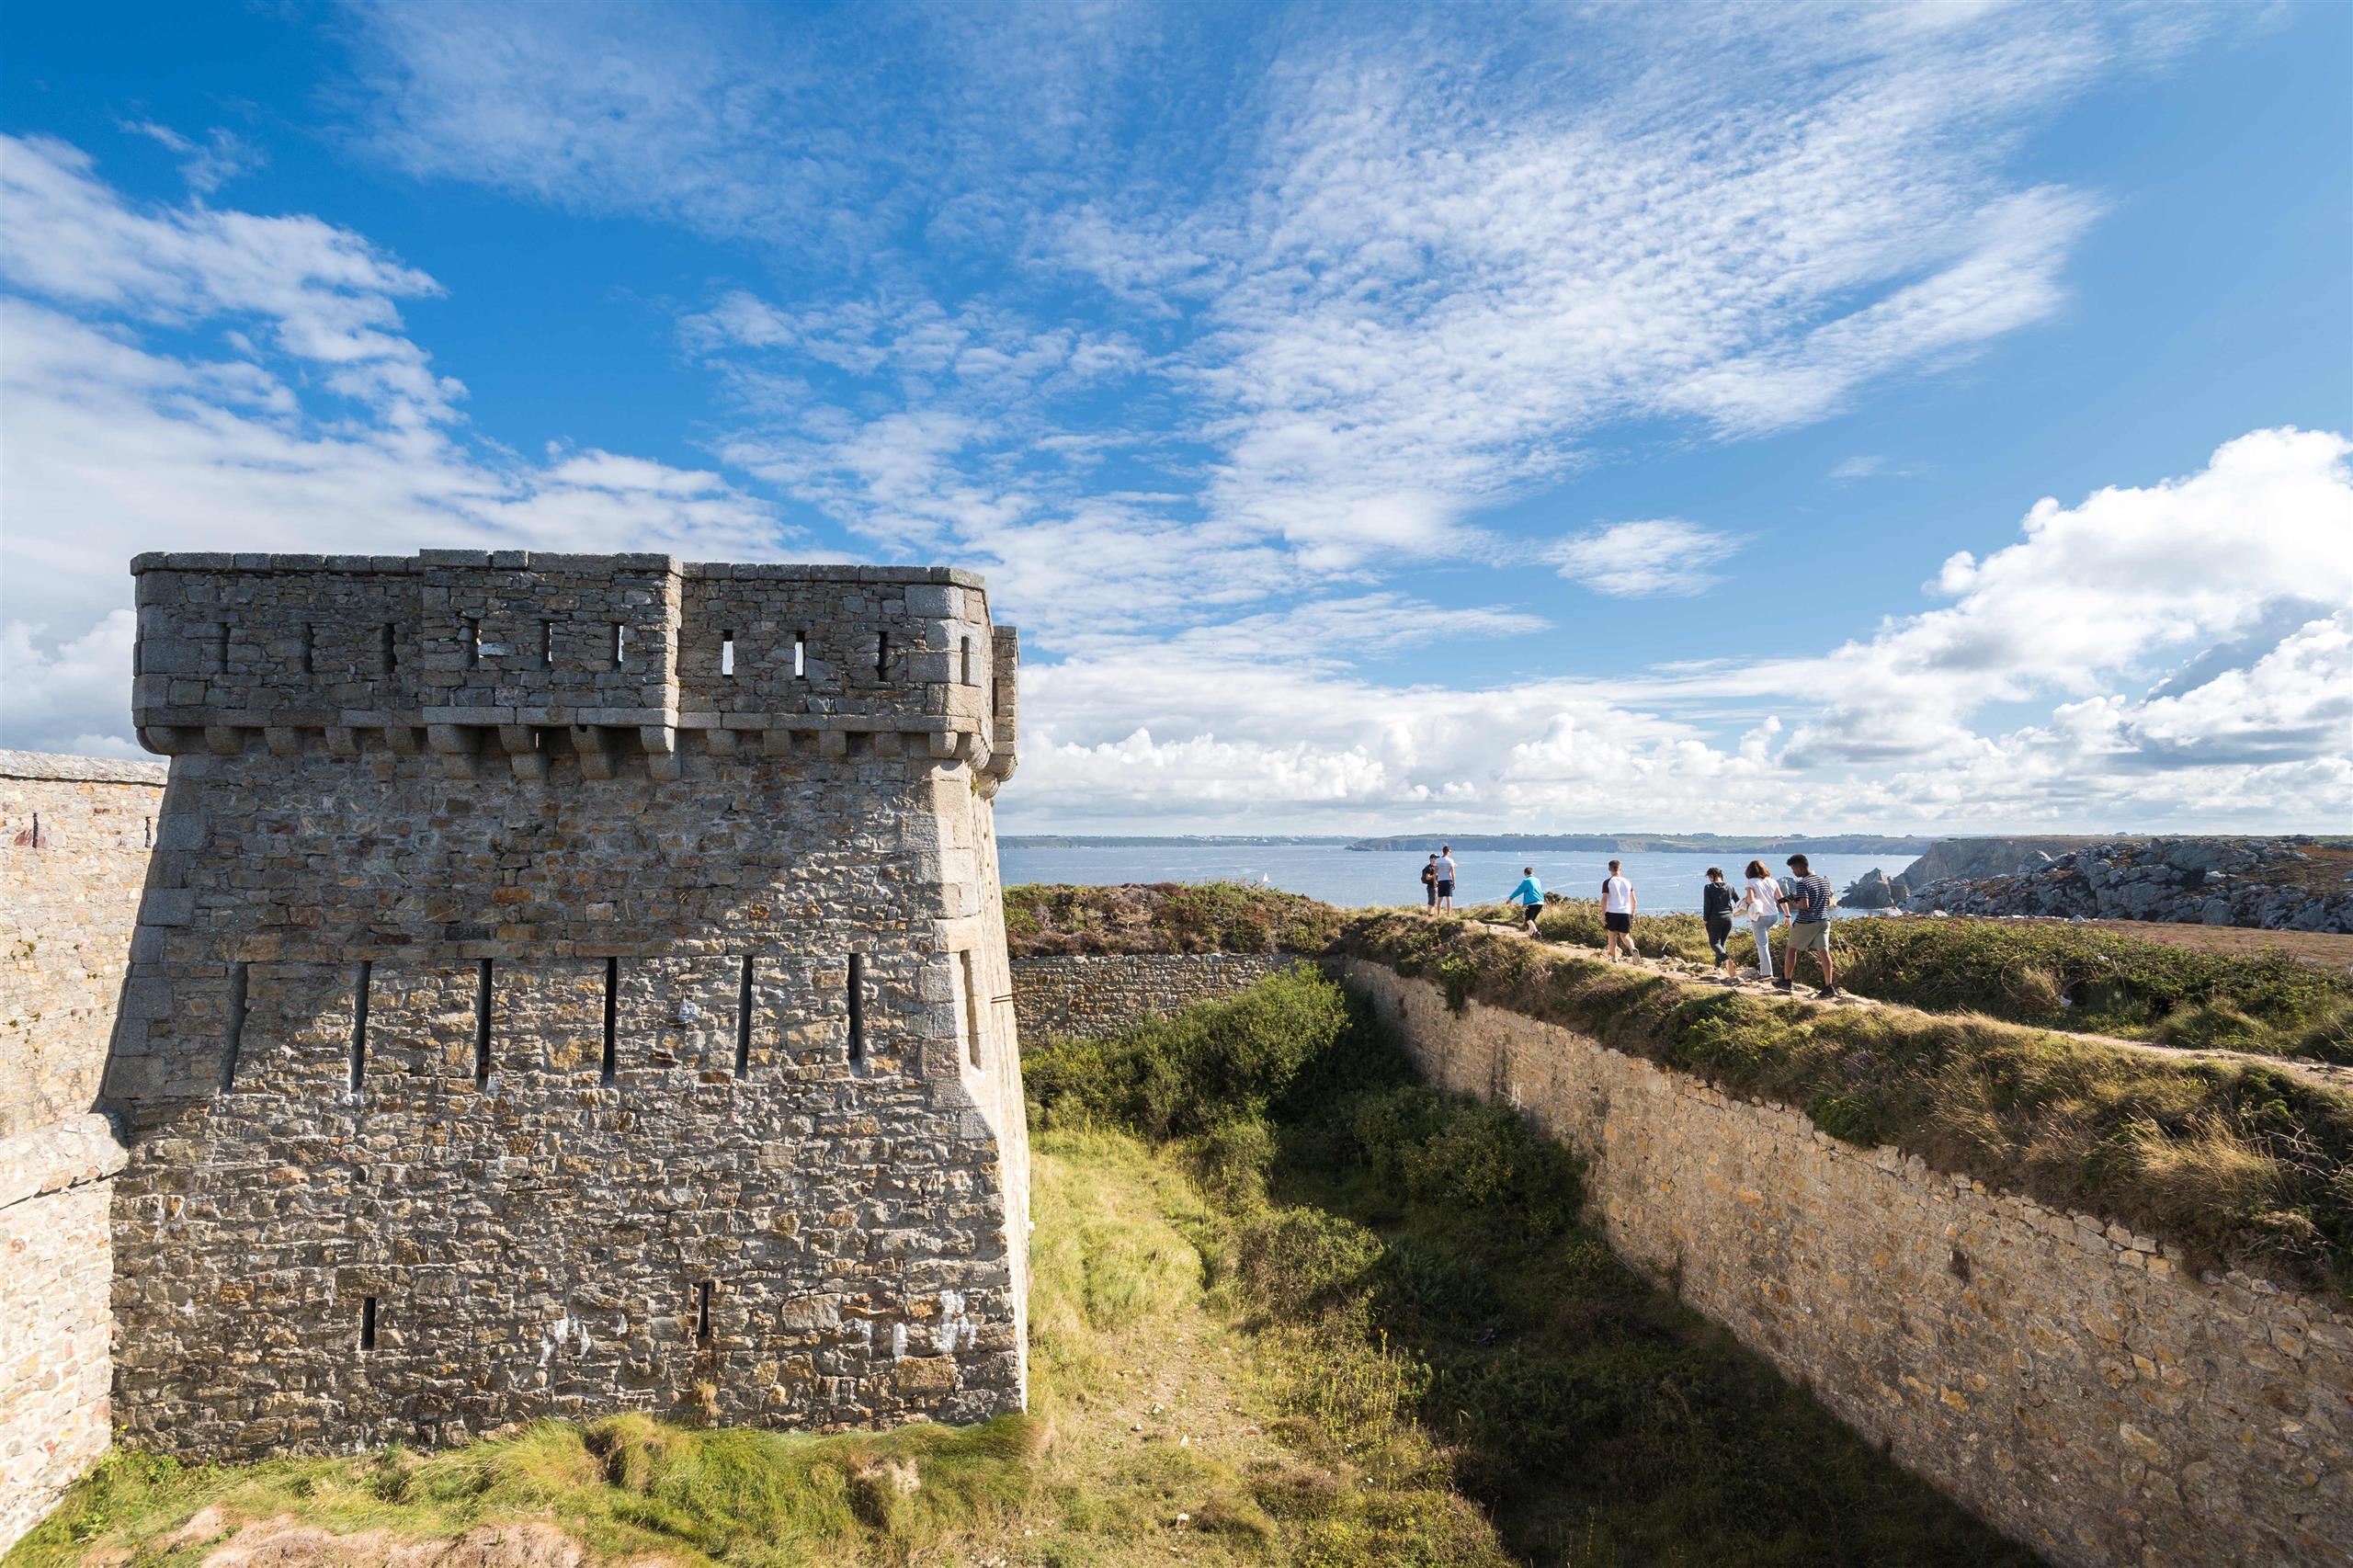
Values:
[(1637, 559), (209, 164)]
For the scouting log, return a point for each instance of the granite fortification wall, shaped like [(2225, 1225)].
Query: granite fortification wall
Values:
[(566, 984), (1095, 995), (75, 835), (2070, 1381)]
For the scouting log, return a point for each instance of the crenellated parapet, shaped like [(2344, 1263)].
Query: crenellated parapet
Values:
[(601, 661)]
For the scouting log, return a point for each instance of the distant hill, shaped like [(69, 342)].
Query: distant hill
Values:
[(1658, 842)]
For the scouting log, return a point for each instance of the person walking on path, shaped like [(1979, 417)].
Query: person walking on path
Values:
[(1617, 907), (1429, 883), (1446, 876), (1529, 896), (1810, 926), (1762, 910), (1715, 907)]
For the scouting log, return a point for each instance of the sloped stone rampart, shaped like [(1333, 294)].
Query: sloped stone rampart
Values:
[(2071, 1382)]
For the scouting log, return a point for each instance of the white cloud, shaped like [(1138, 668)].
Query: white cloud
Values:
[(206, 165), (1658, 555), (116, 447)]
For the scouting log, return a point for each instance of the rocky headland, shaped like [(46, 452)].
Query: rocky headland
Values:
[(2278, 884)]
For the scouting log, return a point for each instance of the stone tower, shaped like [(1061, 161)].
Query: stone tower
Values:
[(566, 983)]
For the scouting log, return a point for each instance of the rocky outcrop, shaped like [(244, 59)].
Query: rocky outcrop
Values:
[(2278, 884), (1950, 858), (1873, 890)]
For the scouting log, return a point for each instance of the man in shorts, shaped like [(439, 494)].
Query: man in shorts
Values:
[(1810, 902), (1429, 883), (1446, 876), (1617, 907)]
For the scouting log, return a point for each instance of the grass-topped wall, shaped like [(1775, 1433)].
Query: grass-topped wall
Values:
[(2234, 1160)]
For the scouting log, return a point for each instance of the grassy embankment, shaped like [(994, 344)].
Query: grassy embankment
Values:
[(2232, 1160), (2094, 980)]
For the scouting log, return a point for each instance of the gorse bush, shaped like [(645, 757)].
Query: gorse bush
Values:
[(1412, 1265), (2234, 1161)]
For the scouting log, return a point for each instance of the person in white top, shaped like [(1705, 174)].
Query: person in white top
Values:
[(1762, 909), (1446, 876), (1617, 914)]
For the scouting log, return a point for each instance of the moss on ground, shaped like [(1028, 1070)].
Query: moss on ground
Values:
[(2233, 1161)]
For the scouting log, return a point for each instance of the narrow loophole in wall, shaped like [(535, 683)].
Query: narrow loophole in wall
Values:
[(968, 662), (727, 654), (702, 1312), (474, 642), (310, 649), (546, 644), (743, 1021), (882, 652), (221, 648), (366, 1322), (800, 655), (35, 830), (147, 834), (482, 1026), (856, 1007), (972, 1007), (621, 645), (612, 1021), (236, 1033), (388, 654), (359, 1025)]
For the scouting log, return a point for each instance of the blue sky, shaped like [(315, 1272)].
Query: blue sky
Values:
[(1803, 417)]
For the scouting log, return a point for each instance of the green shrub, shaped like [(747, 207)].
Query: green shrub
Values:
[(1206, 1066)]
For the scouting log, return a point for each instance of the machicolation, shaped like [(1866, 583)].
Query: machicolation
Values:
[(565, 984)]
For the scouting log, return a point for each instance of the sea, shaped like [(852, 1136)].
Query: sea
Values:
[(1663, 883)]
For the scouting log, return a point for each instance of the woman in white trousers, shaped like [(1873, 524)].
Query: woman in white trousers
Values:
[(1761, 907)]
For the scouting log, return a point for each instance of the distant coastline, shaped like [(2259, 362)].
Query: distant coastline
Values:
[(1626, 842), (1663, 843)]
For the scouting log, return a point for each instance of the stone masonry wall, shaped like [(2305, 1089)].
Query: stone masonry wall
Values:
[(2068, 1380), (55, 1265), (566, 985), (1096, 995), (75, 836)]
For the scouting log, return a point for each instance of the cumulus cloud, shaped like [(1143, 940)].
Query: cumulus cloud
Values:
[(1638, 560)]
